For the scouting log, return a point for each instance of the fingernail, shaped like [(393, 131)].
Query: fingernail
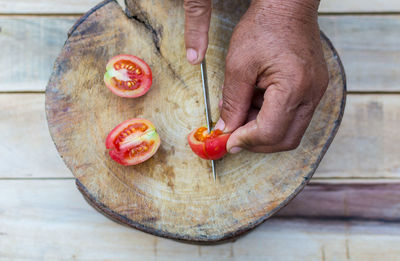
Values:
[(235, 150), (191, 55), (220, 125)]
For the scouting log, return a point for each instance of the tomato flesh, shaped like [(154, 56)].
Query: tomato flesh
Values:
[(128, 76), (211, 146), (133, 141)]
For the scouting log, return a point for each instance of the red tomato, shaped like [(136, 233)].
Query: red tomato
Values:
[(128, 76), (211, 146), (133, 142)]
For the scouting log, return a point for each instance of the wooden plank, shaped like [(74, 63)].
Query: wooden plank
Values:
[(49, 7), (366, 145), (368, 46), (81, 6), (354, 6), (356, 200), (46, 6), (26, 149), (29, 48), (49, 220)]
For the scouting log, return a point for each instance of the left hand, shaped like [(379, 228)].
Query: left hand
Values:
[(197, 23)]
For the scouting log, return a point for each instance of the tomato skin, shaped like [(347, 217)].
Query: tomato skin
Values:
[(132, 142), (198, 148), (118, 157), (145, 77), (216, 148), (211, 148)]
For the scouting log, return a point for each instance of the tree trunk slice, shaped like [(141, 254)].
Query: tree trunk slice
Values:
[(173, 194)]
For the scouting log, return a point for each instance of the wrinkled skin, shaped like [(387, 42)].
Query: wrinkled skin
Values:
[(275, 47)]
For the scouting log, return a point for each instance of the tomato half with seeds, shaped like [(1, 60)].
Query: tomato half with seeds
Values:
[(211, 146), (128, 76), (133, 141)]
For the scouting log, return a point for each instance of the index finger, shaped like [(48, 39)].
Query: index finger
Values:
[(272, 123), (197, 23)]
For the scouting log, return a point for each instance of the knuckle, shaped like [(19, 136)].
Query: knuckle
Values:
[(297, 73), (196, 7), (238, 63), (302, 78), (229, 104), (278, 93), (193, 34), (286, 96)]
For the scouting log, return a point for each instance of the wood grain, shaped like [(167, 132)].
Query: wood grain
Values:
[(66, 228), (75, 232), (29, 46), (368, 46), (367, 142), (359, 6), (172, 194), (46, 6), (365, 146), (24, 135), (353, 201)]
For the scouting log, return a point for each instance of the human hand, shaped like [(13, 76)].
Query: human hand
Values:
[(276, 47), (197, 24)]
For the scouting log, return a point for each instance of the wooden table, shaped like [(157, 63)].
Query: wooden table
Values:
[(350, 210)]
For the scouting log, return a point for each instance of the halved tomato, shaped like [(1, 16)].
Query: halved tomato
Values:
[(211, 146), (133, 141), (128, 76)]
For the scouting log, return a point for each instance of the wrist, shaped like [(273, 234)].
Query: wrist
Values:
[(305, 11)]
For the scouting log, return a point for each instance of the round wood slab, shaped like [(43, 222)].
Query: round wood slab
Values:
[(172, 194)]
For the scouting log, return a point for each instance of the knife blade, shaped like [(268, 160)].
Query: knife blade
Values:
[(204, 80)]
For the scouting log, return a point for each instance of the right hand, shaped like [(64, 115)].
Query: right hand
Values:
[(277, 48)]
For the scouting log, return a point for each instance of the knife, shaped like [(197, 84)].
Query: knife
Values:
[(204, 81)]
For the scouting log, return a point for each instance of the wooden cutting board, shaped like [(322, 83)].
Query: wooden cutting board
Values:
[(172, 194)]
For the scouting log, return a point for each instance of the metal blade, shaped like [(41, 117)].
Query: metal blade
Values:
[(204, 80)]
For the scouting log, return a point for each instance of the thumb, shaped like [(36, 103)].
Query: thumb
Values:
[(197, 23)]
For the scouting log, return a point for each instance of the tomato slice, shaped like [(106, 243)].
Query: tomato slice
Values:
[(128, 76), (133, 141), (211, 146)]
